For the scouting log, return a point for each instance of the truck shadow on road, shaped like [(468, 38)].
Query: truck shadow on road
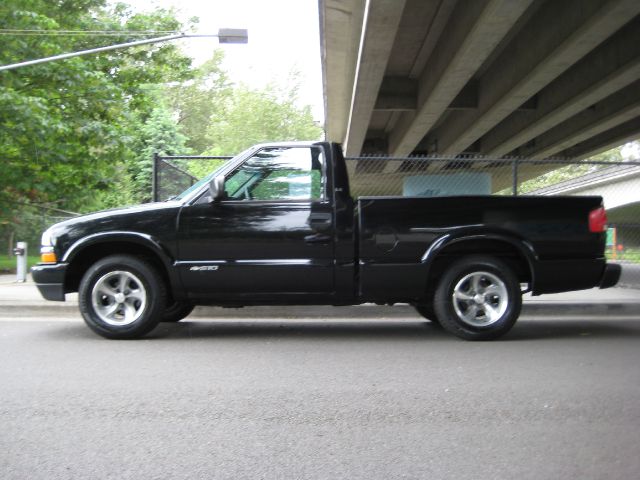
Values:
[(379, 331), (537, 329), (294, 329), (548, 329)]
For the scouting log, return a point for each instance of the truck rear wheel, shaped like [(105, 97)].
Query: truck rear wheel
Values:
[(122, 297), (478, 298)]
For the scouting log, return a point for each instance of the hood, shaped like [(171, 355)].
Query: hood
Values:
[(147, 217), (115, 212)]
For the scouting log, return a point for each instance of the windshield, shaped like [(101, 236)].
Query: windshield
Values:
[(196, 186)]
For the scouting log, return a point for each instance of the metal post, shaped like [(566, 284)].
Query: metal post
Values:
[(225, 35), (154, 179), (514, 179), (64, 56), (21, 261)]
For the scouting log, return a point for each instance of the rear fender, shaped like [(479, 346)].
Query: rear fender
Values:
[(522, 246)]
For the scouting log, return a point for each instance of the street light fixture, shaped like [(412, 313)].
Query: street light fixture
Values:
[(225, 35), (233, 35)]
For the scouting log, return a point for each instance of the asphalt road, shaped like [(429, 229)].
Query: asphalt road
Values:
[(630, 277), (372, 399)]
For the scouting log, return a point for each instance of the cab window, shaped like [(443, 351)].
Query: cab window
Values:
[(282, 173)]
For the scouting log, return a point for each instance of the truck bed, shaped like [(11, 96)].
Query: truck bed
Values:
[(401, 237)]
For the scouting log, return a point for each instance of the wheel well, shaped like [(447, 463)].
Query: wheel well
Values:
[(503, 250), (91, 254)]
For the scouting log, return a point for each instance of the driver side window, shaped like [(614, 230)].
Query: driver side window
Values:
[(278, 173)]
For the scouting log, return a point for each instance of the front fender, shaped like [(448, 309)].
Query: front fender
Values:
[(141, 239)]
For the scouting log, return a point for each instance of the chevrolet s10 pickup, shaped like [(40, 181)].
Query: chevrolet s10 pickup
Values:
[(276, 225)]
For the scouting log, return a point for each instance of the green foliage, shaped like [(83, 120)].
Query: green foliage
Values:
[(202, 168), (222, 119), (66, 125), (631, 255), (79, 134), (569, 172), (256, 116), (69, 128), (8, 263), (201, 101), (158, 134)]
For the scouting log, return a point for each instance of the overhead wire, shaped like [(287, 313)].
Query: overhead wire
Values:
[(95, 33)]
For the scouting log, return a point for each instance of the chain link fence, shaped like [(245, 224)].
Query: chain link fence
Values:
[(26, 224), (174, 174), (617, 182)]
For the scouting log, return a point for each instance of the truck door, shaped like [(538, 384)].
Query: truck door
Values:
[(270, 236)]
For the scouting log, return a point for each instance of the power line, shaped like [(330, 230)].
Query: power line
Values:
[(93, 33)]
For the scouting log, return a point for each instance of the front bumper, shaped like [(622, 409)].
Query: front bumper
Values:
[(50, 280)]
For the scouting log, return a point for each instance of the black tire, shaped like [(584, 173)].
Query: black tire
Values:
[(177, 311), (427, 312), (122, 297), (463, 305)]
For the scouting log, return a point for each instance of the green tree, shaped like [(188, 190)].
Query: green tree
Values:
[(221, 119), (569, 172), (255, 116), (201, 101), (66, 125), (158, 135)]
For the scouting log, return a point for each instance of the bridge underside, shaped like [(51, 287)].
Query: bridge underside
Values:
[(625, 214), (534, 78)]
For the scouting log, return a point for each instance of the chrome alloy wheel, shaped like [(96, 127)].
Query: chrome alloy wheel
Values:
[(480, 299), (119, 298)]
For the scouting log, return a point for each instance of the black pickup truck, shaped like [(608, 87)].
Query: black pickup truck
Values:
[(276, 225)]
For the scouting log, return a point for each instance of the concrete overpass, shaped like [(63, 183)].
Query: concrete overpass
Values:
[(536, 78)]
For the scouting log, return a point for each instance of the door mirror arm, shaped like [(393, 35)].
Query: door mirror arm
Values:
[(216, 188)]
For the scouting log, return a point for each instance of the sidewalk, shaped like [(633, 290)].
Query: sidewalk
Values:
[(23, 299)]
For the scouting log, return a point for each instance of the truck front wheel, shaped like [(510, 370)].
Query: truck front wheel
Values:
[(478, 298), (122, 297), (177, 311), (426, 310)]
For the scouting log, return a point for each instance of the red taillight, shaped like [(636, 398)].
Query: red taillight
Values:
[(598, 220)]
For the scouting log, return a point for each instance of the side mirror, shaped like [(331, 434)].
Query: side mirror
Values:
[(216, 188)]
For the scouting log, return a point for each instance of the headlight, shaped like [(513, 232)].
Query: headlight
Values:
[(47, 239), (47, 253)]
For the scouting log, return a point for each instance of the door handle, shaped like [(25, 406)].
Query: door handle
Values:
[(320, 219), (318, 239)]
